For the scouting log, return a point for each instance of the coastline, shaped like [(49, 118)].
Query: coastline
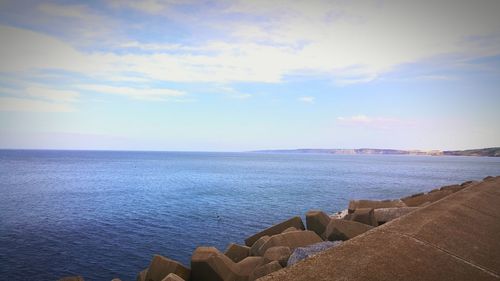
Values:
[(268, 253), (454, 238), (482, 152)]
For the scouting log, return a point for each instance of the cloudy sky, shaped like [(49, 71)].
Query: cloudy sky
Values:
[(244, 75)]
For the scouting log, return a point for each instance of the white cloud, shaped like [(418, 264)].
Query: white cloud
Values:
[(307, 99), (374, 122), (148, 6), (79, 23), (348, 41), (68, 11), (52, 94), (22, 50), (231, 92), (356, 42), (152, 46), (31, 105), (37, 98), (356, 119), (135, 93)]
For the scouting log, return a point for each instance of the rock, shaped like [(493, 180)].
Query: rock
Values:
[(142, 275), (340, 215), (72, 278), (279, 254), (388, 214), (254, 250), (348, 217), (344, 230), (317, 221), (435, 196), (416, 200), (453, 188), (311, 250), (419, 199), (116, 279), (290, 229), (469, 183), (237, 252), (364, 215), (414, 195), (208, 264), (264, 270), (374, 204), (249, 264), (276, 229), (488, 178), (292, 240), (161, 266), (172, 277)]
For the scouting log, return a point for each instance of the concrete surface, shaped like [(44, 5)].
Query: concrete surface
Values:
[(455, 238)]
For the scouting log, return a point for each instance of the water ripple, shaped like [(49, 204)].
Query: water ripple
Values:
[(104, 214)]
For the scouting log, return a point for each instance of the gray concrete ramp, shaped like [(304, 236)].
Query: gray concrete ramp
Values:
[(455, 238)]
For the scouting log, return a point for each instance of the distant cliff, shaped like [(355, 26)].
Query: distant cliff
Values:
[(491, 152)]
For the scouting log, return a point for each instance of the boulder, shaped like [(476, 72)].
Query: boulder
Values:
[(317, 221), (364, 215), (413, 195), (344, 230), (276, 229), (311, 250), (161, 266), (172, 277), (469, 183), (348, 217), (419, 199), (416, 200), (435, 196), (249, 264), (264, 270), (116, 279), (254, 250), (279, 254), (453, 188), (290, 229), (488, 178), (291, 240), (142, 275), (72, 278), (388, 214), (340, 215), (237, 252), (208, 264), (374, 204)]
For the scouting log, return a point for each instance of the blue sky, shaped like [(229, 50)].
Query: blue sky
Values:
[(246, 75)]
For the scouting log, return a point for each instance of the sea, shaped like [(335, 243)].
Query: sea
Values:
[(104, 214)]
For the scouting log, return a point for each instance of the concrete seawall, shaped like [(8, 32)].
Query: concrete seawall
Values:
[(455, 238)]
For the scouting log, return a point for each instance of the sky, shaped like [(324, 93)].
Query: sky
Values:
[(249, 75)]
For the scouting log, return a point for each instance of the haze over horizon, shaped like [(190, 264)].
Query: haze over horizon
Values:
[(249, 75)]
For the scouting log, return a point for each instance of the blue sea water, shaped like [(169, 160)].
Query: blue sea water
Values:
[(104, 214)]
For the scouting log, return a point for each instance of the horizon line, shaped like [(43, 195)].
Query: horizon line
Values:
[(234, 151)]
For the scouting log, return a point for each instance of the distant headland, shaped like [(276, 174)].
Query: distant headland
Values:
[(489, 152)]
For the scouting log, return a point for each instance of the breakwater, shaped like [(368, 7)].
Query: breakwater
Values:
[(285, 244)]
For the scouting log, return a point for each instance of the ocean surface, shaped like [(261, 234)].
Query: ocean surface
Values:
[(104, 214)]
